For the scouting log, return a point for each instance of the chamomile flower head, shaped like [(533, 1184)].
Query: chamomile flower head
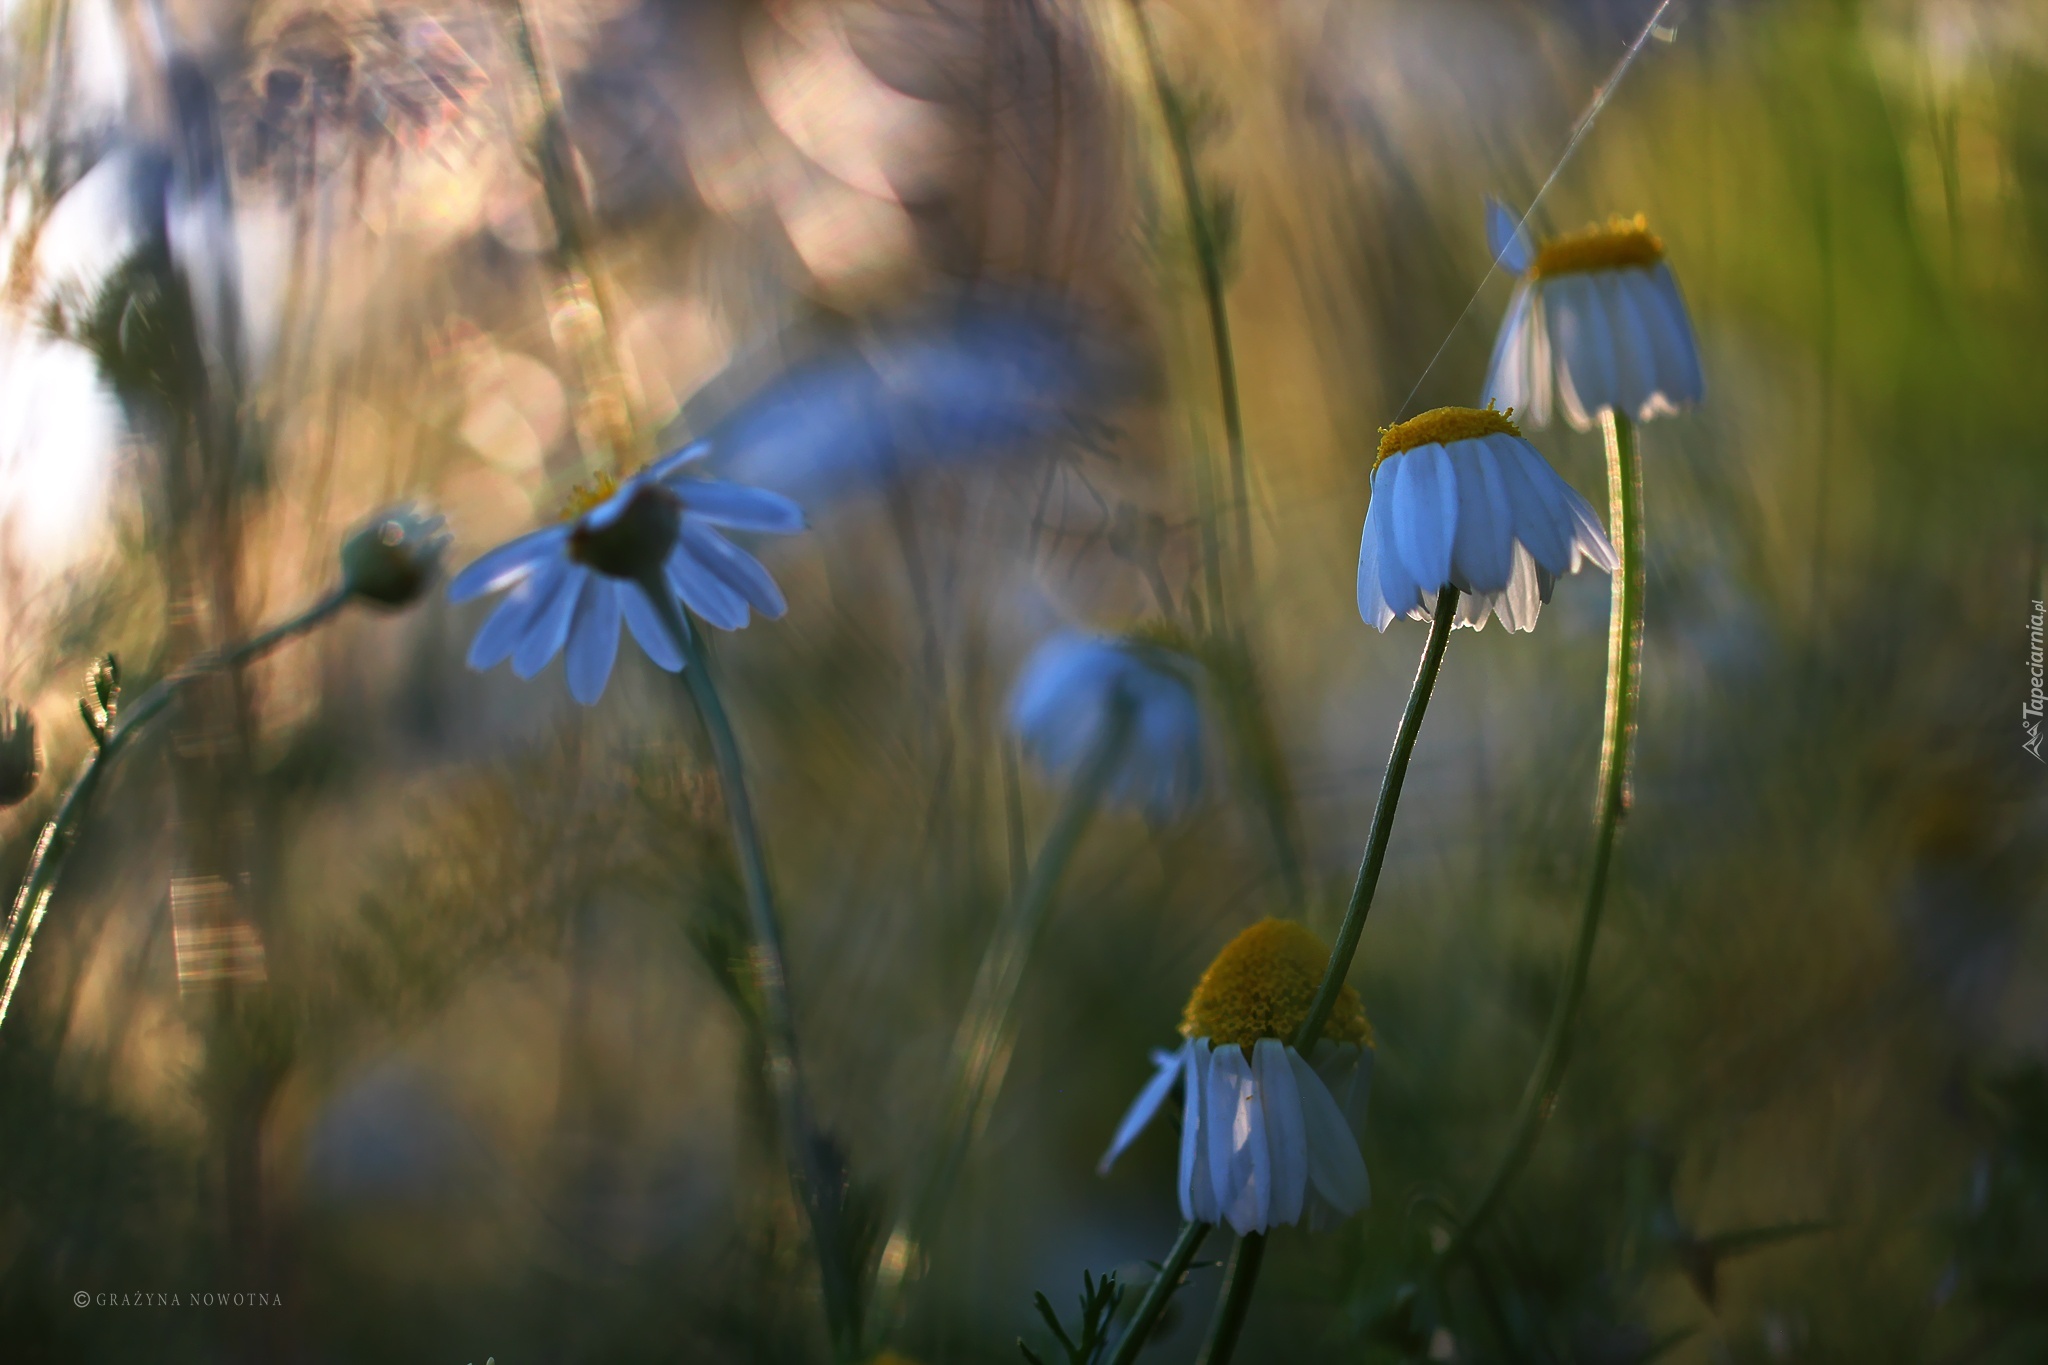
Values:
[(1459, 499), (1266, 1134), (1071, 692), (1599, 313), (659, 530)]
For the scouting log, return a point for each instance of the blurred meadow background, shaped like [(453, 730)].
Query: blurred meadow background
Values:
[(478, 1071)]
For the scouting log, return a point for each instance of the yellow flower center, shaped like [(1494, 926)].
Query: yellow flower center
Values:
[(585, 496), (1624, 243), (1260, 986), (1442, 426)]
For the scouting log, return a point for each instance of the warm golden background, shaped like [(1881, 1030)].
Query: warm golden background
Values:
[(495, 1094)]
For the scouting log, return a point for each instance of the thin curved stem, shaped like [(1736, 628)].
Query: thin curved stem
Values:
[(1240, 1277), (1159, 1292), (53, 845), (1209, 264), (817, 1192), (1382, 830), (1624, 675), (981, 1047)]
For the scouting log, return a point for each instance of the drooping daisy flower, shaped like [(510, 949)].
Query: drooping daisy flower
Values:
[(1266, 1135), (1600, 310), (1459, 498), (572, 583), (1066, 696)]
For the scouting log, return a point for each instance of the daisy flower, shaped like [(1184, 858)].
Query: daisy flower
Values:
[(1064, 699), (1600, 309), (1459, 498), (572, 584), (1266, 1134)]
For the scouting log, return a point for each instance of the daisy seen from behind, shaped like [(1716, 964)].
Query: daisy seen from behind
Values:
[(1267, 1135), (1066, 701), (1597, 312), (571, 585), (1460, 499)]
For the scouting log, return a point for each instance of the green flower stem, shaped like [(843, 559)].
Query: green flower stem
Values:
[(1624, 675), (53, 845), (1209, 264), (816, 1190), (1159, 1292), (1243, 1275), (1382, 829), (1239, 1278), (981, 1046)]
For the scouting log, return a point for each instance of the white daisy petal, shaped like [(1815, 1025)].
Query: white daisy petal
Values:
[(1679, 375), (1536, 519), (1397, 585), (1584, 338), (1197, 1189), (1511, 378), (1239, 1164), (1480, 555), (1426, 516), (1372, 602), (1169, 1066), (1286, 1138), (1335, 1167), (594, 638)]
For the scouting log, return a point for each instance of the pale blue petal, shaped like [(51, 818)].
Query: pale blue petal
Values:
[(1678, 375), (1580, 331), (1426, 515), (1510, 245), (1372, 602), (1635, 362), (506, 565), (1335, 1167), (1482, 553), (594, 641), (1168, 1067), (1512, 379), (737, 506), (704, 592), (1197, 1188), (550, 626), (1539, 523), (1396, 583), (668, 465), (644, 620), (1286, 1138), (508, 624), (1239, 1164), (736, 568)]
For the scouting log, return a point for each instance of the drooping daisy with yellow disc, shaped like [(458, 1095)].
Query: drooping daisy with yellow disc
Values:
[(1266, 1134), (1600, 311), (618, 541), (1459, 499)]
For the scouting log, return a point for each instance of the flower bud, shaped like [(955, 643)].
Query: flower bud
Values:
[(21, 758), (392, 559)]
